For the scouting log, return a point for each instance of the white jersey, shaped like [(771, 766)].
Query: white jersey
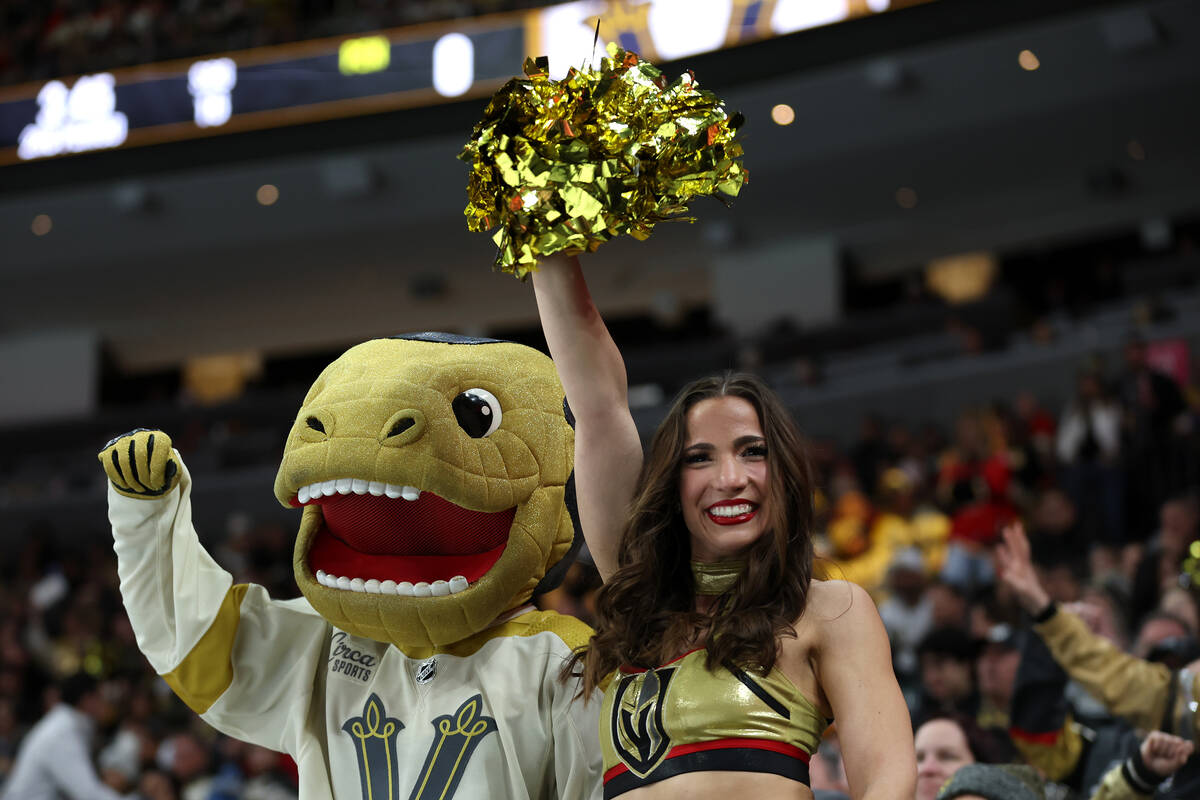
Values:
[(363, 720)]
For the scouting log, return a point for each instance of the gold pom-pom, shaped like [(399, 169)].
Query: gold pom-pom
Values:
[(567, 165), (1189, 578)]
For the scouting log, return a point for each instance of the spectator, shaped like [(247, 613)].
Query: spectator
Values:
[(946, 742), (1153, 762), (1089, 447), (1154, 407), (994, 782), (1160, 566), (1146, 695), (907, 613), (55, 758), (827, 772), (996, 674), (946, 657)]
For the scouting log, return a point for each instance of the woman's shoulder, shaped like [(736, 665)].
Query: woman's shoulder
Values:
[(838, 603)]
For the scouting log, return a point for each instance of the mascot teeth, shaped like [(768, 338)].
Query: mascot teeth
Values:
[(423, 589), (355, 486)]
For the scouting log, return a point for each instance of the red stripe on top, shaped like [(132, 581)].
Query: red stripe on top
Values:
[(636, 670), (721, 744), (1048, 738)]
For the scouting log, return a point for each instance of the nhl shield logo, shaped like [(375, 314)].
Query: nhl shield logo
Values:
[(638, 735)]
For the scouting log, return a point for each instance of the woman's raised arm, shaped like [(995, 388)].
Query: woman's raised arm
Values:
[(608, 452)]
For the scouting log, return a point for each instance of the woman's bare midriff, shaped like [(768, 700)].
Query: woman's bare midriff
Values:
[(722, 786)]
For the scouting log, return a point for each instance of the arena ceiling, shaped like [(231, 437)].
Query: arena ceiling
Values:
[(165, 253)]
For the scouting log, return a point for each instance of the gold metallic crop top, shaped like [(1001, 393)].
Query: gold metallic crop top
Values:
[(655, 724)]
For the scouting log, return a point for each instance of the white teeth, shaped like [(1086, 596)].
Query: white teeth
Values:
[(730, 511), (404, 589), (344, 486)]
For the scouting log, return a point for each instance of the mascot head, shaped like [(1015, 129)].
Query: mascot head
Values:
[(435, 476)]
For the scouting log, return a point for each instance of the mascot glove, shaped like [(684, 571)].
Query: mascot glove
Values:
[(141, 464)]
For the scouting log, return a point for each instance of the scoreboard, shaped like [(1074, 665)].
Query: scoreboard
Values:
[(371, 73)]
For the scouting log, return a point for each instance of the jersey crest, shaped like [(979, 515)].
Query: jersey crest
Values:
[(456, 736), (638, 735)]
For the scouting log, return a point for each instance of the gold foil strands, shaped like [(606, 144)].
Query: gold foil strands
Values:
[(567, 165)]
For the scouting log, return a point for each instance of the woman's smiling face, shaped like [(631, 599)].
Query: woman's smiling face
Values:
[(723, 478)]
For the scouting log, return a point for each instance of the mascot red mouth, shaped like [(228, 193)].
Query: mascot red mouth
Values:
[(384, 543)]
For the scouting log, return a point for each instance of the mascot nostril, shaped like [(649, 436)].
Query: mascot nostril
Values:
[(401, 426), (435, 476)]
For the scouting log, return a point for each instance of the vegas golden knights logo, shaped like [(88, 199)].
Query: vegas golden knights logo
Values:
[(455, 738), (638, 735)]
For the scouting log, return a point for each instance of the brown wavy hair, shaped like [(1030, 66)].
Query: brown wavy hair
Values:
[(645, 613)]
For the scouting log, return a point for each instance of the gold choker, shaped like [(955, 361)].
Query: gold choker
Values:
[(716, 577)]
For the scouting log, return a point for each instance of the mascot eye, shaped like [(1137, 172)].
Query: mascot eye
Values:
[(315, 424), (477, 412)]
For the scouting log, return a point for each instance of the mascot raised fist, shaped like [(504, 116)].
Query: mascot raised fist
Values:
[(434, 473)]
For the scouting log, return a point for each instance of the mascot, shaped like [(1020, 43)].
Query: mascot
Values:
[(434, 472)]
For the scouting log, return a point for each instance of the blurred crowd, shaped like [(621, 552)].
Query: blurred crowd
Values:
[(66, 648), (1106, 486), (40, 40)]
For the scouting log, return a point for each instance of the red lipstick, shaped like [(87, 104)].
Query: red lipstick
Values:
[(734, 519)]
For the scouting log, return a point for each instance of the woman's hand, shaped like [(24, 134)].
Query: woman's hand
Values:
[(1014, 564)]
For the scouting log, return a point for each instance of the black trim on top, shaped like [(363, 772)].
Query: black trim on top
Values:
[(446, 338), (735, 759), (759, 692)]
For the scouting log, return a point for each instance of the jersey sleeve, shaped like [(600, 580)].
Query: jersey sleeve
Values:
[(1041, 726), (578, 769), (1129, 687), (1128, 780), (242, 661), (577, 765)]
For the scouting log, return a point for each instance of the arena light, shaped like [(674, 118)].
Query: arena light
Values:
[(364, 55), (210, 84), (42, 224), (906, 197), (267, 194), (961, 278), (73, 120), (453, 65), (783, 114), (1028, 61), (681, 28), (798, 15), (216, 379)]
